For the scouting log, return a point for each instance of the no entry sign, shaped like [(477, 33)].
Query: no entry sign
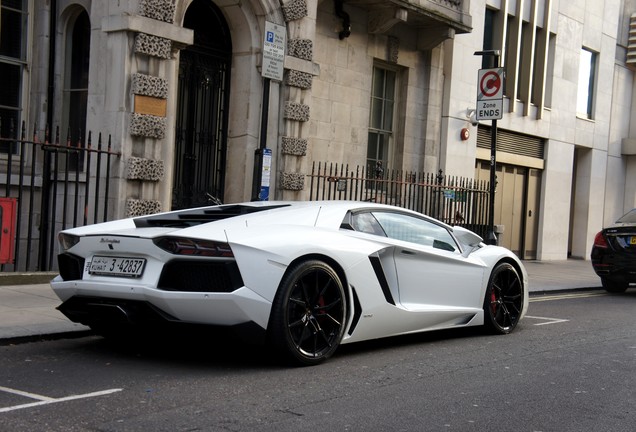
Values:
[(489, 94)]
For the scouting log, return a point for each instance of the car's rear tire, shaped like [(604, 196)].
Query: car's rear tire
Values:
[(308, 313), (503, 303), (614, 287)]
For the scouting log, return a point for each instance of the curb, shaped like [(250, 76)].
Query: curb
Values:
[(561, 291), (26, 278), (18, 340)]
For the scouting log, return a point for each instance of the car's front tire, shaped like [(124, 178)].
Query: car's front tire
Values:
[(308, 313), (504, 299)]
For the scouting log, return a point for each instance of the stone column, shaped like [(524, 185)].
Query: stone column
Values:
[(142, 55), (556, 192), (300, 16), (589, 200)]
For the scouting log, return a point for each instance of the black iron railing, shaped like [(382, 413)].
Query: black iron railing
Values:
[(51, 186), (451, 199)]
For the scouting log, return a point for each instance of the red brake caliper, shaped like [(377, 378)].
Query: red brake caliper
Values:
[(321, 303), (493, 301)]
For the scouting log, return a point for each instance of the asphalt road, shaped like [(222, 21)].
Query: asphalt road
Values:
[(569, 366)]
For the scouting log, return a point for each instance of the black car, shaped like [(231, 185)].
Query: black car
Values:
[(614, 254)]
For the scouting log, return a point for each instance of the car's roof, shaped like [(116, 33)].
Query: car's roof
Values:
[(318, 213)]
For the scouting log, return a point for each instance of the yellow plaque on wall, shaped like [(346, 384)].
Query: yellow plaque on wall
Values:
[(150, 105)]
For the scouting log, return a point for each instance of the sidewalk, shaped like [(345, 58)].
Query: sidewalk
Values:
[(561, 275), (27, 306)]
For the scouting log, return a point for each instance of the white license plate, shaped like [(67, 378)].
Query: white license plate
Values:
[(117, 266)]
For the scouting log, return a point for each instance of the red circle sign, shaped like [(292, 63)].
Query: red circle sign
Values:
[(490, 84)]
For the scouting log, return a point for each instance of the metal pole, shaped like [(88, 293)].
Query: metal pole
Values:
[(491, 237), (258, 154)]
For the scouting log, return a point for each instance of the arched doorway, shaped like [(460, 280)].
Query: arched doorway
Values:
[(202, 108)]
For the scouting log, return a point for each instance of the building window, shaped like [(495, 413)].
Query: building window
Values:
[(511, 58), (13, 27), (381, 121), (75, 95), (525, 61), (549, 83), (587, 76), (489, 37), (538, 67)]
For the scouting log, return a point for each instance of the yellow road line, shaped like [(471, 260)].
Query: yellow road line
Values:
[(566, 296)]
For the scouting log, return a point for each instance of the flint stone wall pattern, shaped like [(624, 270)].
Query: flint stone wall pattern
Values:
[(393, 49), (292, 181), (145, 169), (296, 111), (153, 46), (161, 10), (299, 79), (301, 48), (294, 10), (136, 207), (148, 85), (294, 146), (456, 3), (147, 125)]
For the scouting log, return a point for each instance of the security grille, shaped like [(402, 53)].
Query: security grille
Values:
[(514, 143)]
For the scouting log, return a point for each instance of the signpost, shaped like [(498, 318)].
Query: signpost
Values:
[(266, 170), (273, 51), (272, 69), (489, 94), (490, 107)]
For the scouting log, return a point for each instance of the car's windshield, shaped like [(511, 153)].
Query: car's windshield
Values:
[(630, 217)]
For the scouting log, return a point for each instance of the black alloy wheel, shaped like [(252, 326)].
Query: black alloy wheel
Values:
[(504, 299), (308, 314)]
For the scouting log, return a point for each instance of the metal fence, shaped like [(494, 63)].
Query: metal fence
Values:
[(46, 186), (450, 199)]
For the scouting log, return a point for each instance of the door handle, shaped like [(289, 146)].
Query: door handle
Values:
[(407, 252)]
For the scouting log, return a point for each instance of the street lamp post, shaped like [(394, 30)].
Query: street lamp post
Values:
[(491, 237)]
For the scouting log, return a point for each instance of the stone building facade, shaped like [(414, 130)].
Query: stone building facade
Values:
[(178, 86)]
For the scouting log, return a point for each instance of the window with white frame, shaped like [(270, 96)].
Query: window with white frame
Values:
[(587, 78), (13, 28), (381, 120)]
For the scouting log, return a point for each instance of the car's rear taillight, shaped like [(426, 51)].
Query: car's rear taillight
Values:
[(194, 247), (599, 240), (67, 241)]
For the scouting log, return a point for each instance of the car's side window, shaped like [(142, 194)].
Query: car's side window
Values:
[(415, 230), (367, 223)]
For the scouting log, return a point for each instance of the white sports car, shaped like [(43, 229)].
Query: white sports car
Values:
[(304, 277)]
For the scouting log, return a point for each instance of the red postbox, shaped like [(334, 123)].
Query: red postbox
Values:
[(7, 230)]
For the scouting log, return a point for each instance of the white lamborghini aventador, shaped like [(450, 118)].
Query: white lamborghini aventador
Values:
[(304, 277)]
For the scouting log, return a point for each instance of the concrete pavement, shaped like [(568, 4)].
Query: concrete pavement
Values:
[(27, 302)]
